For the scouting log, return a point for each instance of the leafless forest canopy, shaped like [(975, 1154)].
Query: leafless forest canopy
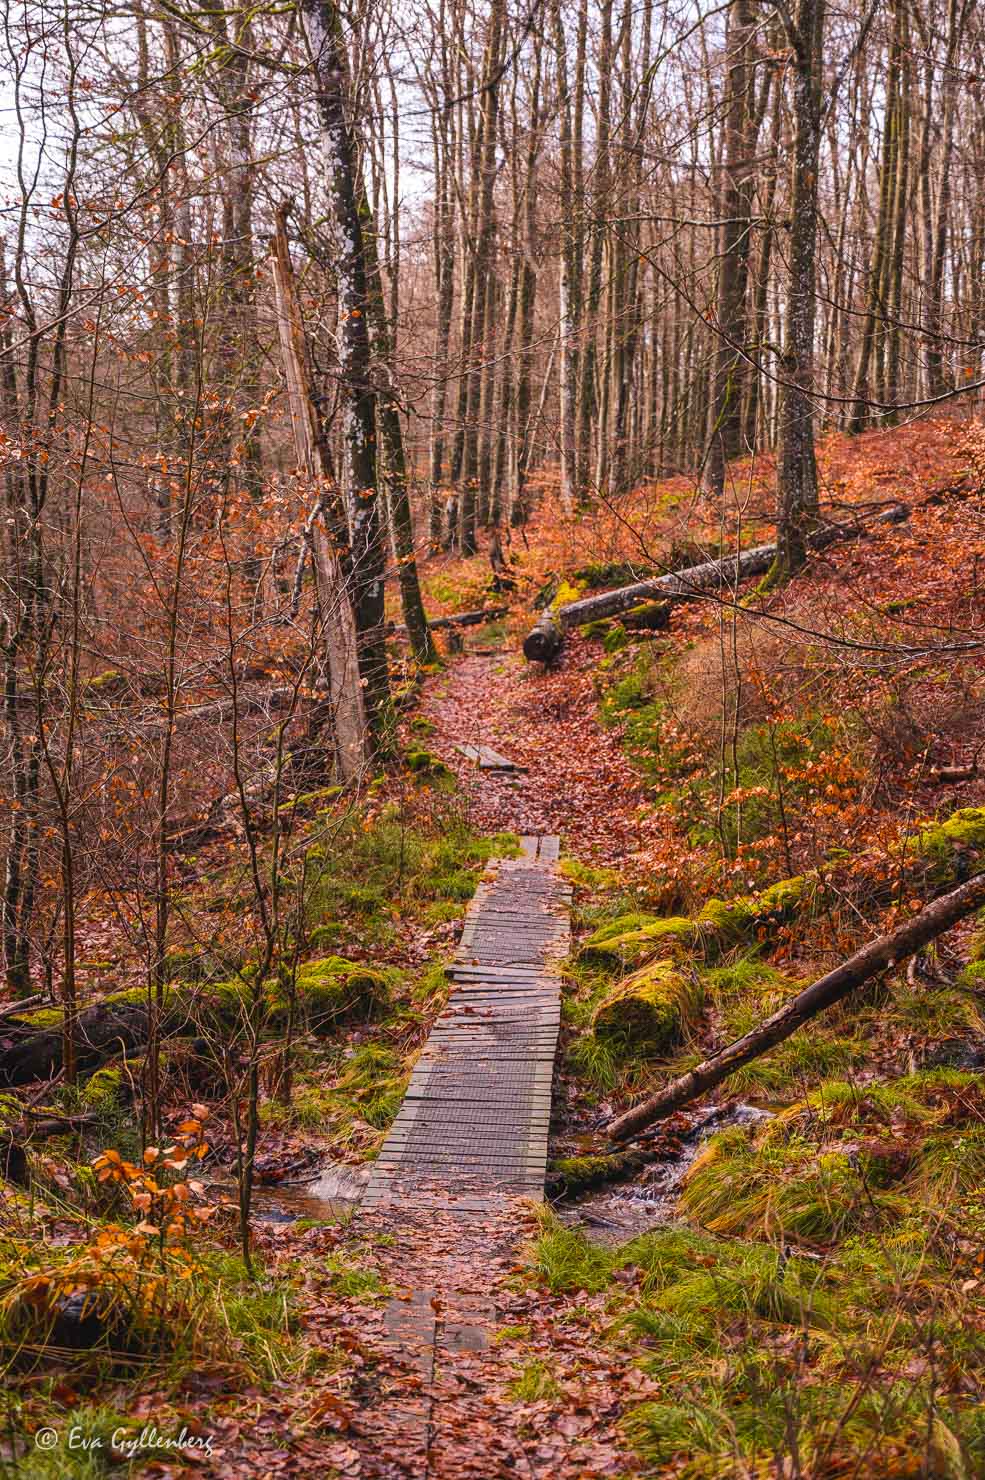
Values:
[(295, 294)]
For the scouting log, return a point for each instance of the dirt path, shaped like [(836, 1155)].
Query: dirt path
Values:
[(577, 782)]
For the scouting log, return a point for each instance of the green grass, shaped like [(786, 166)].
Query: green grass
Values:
[(761, 1353), (354, 1281), (536, 1383)]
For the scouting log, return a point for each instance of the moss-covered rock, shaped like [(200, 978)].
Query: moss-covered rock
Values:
[(946, 845), (424, 763), (651, 1010), (783, 899), (331, 992), (626, 942), (730, 920), (106, 1091)]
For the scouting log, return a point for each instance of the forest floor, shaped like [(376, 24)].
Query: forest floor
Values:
[(792, 1284)]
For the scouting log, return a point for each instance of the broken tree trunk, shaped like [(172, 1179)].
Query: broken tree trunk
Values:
[(326, 530), (544, 641), (878, 956)]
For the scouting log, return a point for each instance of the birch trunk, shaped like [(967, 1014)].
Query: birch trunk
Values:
[(314, 460)]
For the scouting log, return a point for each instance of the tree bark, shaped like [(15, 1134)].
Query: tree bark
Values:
[(326, 533), (797, 495), (323, 29)]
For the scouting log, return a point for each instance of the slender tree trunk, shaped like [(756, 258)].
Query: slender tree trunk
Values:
[(735, 197), (323, 29), (797, 493)]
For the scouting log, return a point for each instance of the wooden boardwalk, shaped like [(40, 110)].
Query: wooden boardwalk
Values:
[(472, 1130)]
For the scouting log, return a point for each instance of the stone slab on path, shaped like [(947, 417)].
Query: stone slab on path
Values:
[(488, 759)]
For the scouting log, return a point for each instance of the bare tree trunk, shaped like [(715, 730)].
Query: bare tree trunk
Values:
[(314, 460), (735, 209), (323, 29), (797, 495)]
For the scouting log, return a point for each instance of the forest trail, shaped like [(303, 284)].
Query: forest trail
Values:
[(469, 1142), (577, 780)]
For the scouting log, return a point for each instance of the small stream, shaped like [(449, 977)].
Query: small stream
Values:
[(610, 1214), (326, 1196), (622, 1211)]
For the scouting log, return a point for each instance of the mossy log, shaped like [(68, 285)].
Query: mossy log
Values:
[(570, 1175), (544, 641), (330, 992)]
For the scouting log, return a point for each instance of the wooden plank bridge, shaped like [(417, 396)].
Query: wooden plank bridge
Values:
[(473, 1126)]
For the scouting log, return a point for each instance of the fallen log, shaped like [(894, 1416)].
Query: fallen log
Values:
[(103, 1030), (888, 951), (545, 639), (460, 619)]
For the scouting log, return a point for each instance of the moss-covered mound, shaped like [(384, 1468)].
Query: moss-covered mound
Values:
[(653, 1009), (847, 1159), (331, 992), (953, 848), (632, 940)]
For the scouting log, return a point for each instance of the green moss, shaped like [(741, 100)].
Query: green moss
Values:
[(652, 1010), (603, 573), (424, 763), (536, 1383), (972, 978), (945, 845), (649, 616), (626, 943), (110, 681), (331, 992), (613, 641), (570, 1175), (325, 934), (631, 692), (320, 798), (730, 920), (601, 879), (782, 899), (11, 1110), (596, 629), (105, 1092)]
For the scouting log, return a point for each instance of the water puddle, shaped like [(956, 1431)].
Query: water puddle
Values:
[(611, 1215), (325, 1197)]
